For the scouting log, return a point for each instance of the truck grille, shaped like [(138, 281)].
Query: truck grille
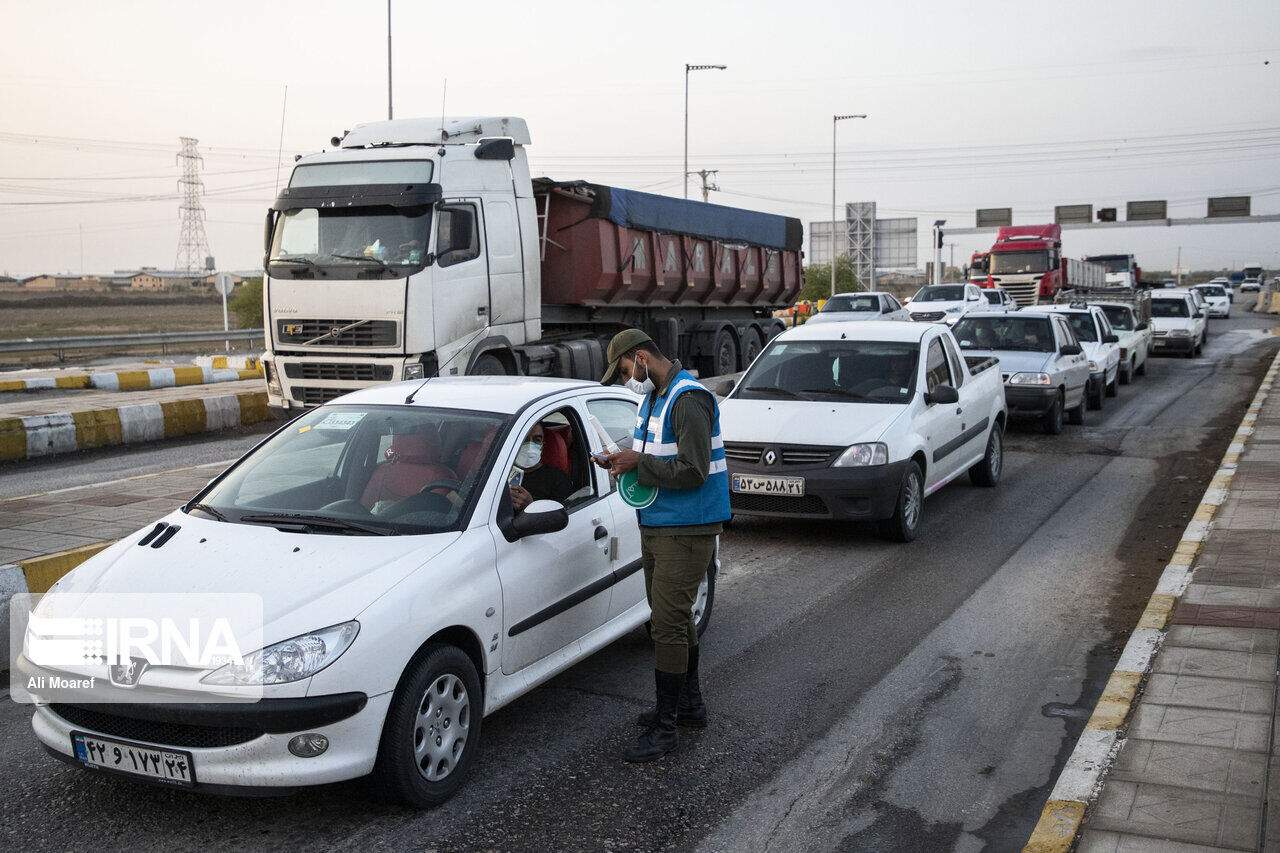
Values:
[(1160, 333), (370, 333), (778, 504), (346, 372), (928, 316), (102, 721), (1024, 293), (796, 454), (310, 396)]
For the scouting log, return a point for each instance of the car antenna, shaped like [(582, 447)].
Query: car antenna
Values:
[(461, 349)]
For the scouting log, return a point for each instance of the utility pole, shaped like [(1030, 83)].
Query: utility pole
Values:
[(687, 69), (835, 120), (706, 187), (193, 243), (1177, 267), (389, 60)]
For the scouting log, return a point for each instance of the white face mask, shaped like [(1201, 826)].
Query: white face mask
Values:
[(641, 388), (530, 455)]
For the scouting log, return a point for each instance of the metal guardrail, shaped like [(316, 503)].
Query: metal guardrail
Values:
[(164, 339)]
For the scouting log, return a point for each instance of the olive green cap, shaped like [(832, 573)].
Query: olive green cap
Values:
[(622, 343)]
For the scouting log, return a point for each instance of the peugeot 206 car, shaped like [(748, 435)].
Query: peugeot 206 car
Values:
[(403, 597)]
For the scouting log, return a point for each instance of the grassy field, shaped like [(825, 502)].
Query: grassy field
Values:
[(106, 314)]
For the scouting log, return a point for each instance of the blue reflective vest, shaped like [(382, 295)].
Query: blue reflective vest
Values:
[(707, 504)]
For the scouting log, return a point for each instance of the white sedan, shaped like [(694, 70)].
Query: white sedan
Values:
[(403, 597), (876, 305), (946, 303)]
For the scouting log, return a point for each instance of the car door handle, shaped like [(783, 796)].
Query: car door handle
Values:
[(601, 532), (959, 411)]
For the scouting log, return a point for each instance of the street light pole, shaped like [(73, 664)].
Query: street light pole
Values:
[(687, 69), (389, 116), (834, 121)]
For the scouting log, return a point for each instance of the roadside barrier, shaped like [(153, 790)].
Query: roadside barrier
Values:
[(1275, 303), (66, 432), (1082, 776), (140, 380), (1260, 304)]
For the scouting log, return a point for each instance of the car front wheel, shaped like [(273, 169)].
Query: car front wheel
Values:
[(433, 727), (987, 471), (903, 525)]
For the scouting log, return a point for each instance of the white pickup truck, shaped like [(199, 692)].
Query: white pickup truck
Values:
[(861, 421)]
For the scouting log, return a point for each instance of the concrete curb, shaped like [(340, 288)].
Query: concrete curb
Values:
[(236, 362), (1081, 779), (139, 380), (36, 575), (47, 435)]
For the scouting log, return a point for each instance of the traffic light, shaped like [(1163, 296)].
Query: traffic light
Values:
[(938, 241)]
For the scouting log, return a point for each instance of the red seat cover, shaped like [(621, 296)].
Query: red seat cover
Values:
[(412, 462), (555, 447), (474, 452)]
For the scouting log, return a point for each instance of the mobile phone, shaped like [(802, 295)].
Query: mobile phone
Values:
[(516, 477), (599, 457)]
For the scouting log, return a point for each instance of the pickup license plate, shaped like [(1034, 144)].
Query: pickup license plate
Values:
[(748, 484), (164, 765)]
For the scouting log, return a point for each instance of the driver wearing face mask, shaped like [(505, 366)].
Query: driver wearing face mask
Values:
[(536, 481)]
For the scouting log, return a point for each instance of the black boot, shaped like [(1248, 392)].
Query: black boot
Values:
[(692, 711), (662, 737)]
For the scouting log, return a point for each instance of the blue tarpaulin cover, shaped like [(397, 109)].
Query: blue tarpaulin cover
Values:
[(634, 209)]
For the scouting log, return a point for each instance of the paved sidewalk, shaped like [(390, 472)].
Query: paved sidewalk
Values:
[(1197, 767)]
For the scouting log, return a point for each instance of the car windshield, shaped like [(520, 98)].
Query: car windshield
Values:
[(940, 293), (851, 303), (1007, 263), (359, 242), (1010, 332), (1169, 308), (361, 469), (1120, 317), (833, 371), (1082, 324), (1211, 290)]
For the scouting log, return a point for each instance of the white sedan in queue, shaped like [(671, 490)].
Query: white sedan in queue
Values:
[(403, 597)]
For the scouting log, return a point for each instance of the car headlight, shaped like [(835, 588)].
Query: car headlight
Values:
[(290, 660), (1029, 379), (858, 455), (1093, 367), (273, 378), (1179, 333), (413, 371)]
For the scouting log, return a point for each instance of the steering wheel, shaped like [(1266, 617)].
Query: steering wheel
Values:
[(874, 383), (447, 483)]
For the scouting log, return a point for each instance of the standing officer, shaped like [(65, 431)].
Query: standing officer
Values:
[(677, 449)]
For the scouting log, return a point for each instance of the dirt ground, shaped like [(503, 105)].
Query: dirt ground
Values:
[(110, 317)]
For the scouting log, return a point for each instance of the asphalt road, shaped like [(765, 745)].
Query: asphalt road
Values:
[(864, 695)]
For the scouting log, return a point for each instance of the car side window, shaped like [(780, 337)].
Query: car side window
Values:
[(457, 237), (564, 470), (618, 419), (936, 370), (1066, 335), (954, 358), (1103, 322)]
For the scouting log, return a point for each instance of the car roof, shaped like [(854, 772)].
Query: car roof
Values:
[(1029, 312), (865, 330), (504, 394), (861, 293), (1170, 293), (1061, 309)]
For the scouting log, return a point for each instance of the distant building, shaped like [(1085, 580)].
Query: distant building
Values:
[(144, 279)]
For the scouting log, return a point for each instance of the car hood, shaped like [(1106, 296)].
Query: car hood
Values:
[(306, 581), (842, 316), (1015, 361), (804, 422)]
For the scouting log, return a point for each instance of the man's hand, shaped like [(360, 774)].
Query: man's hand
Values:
[(520, 497), (622, 462)]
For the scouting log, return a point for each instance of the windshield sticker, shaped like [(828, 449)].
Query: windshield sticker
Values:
[(341, 420)]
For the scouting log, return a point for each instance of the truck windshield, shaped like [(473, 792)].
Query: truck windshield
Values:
[(1113, 263), (1012, 263), (378, 242), (940, 293), (368, 470), (1011, 332), (833, 372), (1120, 317), (852, 303), (1169, 308)]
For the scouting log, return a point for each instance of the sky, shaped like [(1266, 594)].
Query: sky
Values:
[(969, 105)]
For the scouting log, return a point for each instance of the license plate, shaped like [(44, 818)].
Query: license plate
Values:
[(768, 485), (164, 765)]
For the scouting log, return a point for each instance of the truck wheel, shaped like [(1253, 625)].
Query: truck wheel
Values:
[(1076, 415), (1052, 420), (432, 729), (905, 521), (723, 358), (488, 365), (1095, 396), (752, 343), (987, 472), (1114, 387)]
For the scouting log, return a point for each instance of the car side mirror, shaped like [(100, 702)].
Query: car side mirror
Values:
[(1199, 313), (1111, 339), (1070, 349), (1142, 327), (943, 395), (541, 516)]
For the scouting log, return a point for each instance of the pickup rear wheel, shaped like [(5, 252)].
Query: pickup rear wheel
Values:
[(1052, 421), (1126, 372), (987, 471), (1141, 369), (905, 521)]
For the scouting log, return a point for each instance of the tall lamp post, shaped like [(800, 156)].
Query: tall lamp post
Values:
[(835, 120), (687, 69)]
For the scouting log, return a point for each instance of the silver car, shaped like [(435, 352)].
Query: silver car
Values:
[(874, 305)]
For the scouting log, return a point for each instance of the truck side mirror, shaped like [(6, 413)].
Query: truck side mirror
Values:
[(1070, 349), (267, 230), (943, 395)]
